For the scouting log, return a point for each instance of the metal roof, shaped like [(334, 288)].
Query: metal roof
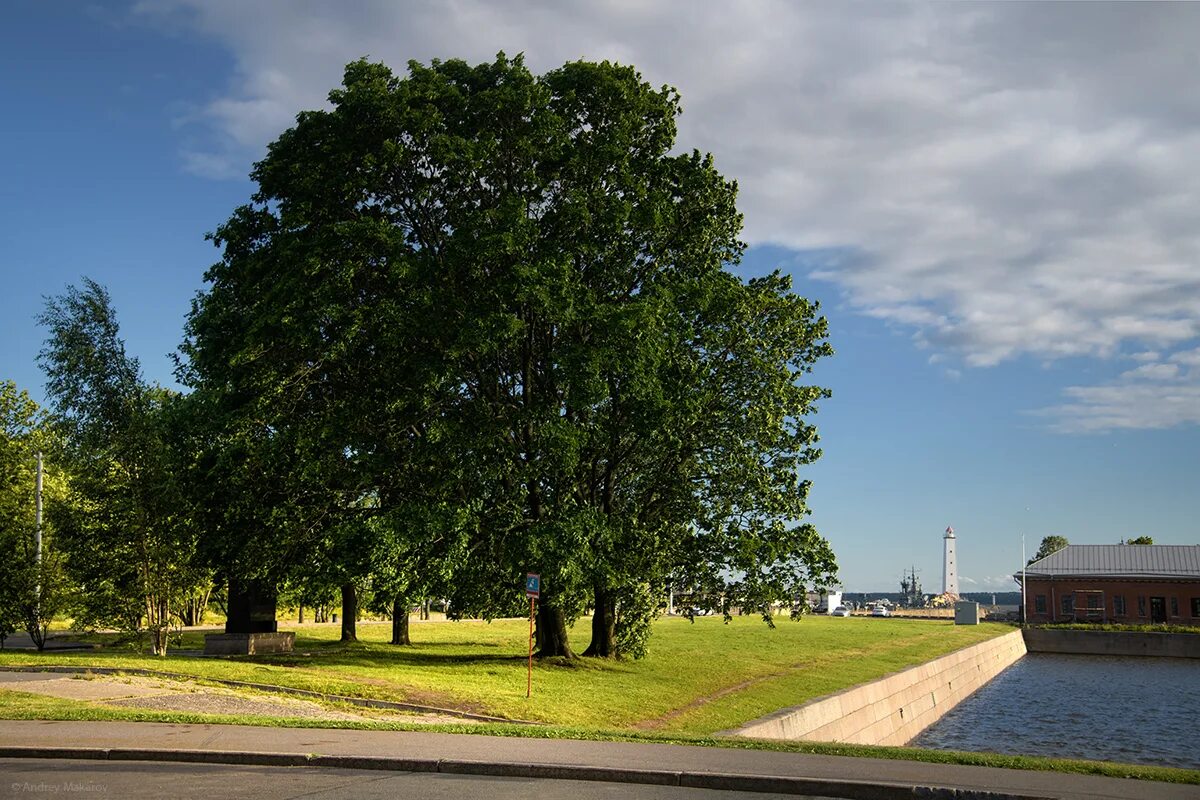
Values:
[(1120, 560)]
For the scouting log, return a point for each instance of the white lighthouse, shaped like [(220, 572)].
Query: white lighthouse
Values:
[(949, 565)]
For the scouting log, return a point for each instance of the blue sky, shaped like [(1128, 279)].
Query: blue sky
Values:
[(994, 204)]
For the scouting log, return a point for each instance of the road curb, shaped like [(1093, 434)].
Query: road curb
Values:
[(849, 789)]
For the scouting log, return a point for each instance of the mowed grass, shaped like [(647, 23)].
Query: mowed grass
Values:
[(698, 679)]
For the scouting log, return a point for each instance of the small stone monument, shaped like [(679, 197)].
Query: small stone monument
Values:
[(250, 627)]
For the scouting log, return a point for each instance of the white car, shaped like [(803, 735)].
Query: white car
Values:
[(840, 611), (880, 611)]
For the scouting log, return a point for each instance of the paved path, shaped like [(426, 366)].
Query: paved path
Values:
[(56, 640), (698, 767)]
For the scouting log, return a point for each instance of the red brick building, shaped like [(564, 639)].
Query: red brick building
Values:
[(1122, 583)]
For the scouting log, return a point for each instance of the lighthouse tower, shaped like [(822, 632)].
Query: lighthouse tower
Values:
[(949, 564)]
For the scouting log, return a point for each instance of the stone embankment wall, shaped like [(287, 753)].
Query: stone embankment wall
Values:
[(1112, 643), (895, 709)]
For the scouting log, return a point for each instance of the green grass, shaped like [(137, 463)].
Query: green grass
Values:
[(698, 679), (18, 705)]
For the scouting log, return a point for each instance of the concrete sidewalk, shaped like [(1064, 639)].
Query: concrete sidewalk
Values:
[(697, 767)]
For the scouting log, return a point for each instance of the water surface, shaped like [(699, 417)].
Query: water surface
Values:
[(1134, 710)]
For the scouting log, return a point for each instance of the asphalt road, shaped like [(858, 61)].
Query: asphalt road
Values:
[(32, 779)]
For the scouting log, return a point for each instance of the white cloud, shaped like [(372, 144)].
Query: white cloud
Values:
[(1125, 406), (1189, 358), (1152, 372), (1163, 393), (1011, 179), (211, 165)]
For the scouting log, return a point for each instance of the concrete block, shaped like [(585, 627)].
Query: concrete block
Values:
[(248, 644)]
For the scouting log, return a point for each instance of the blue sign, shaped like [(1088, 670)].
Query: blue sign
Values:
[(533, 584)]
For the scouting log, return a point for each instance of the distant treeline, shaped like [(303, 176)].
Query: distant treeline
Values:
[(985, 598)]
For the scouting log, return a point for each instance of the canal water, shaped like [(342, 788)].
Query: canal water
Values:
[(1129, 709)]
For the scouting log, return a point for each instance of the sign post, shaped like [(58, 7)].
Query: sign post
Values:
[(533, 589)]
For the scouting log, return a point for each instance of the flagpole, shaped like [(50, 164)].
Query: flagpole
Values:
[(529, 672), (1024, 621)]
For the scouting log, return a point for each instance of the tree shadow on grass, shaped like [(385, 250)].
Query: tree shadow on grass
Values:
[(350, 657), (373, 655)]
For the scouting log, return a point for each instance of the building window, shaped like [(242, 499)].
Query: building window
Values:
[(1196, 606), (1118, 605), (1174, 606), (1068, 604), (1039, 604), (1141, 605)]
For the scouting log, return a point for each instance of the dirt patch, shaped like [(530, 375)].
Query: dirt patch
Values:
[(88, 689), (158, 694), (234, 705)]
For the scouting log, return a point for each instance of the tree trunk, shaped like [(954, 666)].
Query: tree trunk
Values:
[(158, 622), (160, 641), (604, 625), (193, 610), (301, 616), (197, 605), (37, 632), (349, 612), (400, 621), (552, 633)]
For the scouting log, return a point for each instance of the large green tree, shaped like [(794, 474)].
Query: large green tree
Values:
[(493, 313)]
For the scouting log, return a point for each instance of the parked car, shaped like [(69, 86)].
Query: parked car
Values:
[(841, 611), (880, 611)]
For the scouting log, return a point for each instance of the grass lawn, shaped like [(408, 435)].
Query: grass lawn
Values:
[(698, 679)]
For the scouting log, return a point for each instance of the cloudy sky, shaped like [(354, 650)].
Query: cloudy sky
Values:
[(995, 205)]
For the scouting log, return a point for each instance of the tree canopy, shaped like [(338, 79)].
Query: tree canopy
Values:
[(477, 322)]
